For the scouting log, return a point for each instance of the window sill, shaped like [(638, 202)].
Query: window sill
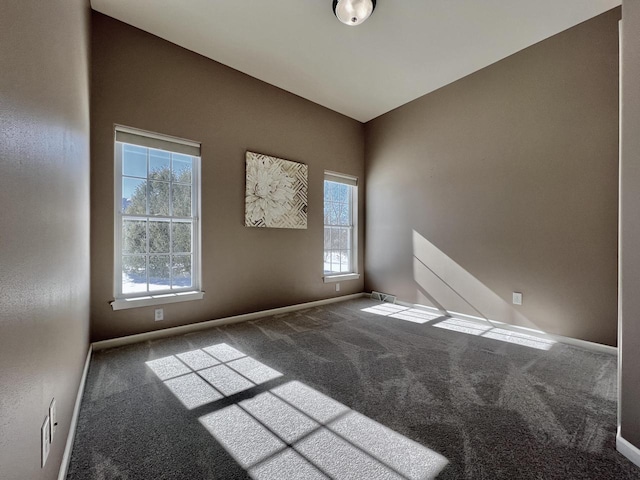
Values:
[(341, 277), (124, 303)]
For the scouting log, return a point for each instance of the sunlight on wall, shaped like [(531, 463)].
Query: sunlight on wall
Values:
[(444, 283), (470, 327), (291, 431)]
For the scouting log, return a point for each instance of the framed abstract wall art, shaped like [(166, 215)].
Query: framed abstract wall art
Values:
[(276, 192)]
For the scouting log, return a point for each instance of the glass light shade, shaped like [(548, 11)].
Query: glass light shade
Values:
[(353, 12)]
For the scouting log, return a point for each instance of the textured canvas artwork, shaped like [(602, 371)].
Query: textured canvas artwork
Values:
[(276, 194)]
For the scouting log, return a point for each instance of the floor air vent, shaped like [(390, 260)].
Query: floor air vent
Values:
[(383, 297)]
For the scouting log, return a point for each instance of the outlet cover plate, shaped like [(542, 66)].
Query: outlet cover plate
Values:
[(517, 298), (53, 419), (45, 440), (159, 314)]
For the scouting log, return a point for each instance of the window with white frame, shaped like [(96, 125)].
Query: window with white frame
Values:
[(340, 225), (157, 216)]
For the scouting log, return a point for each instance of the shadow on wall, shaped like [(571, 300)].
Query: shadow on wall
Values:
[(447, 286), (291, 430)]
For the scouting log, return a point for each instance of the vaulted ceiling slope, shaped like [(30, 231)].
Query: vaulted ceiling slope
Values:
[(407, 48)]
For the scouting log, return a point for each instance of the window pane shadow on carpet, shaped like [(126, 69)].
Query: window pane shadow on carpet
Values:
[(370, 391), (291, 428)]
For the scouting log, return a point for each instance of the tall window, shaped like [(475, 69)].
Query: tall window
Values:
[(157, 202), (340, 207)]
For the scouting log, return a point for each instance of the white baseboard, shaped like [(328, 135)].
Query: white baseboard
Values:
[(627, 449), (597, 347), (66, 457), (194, 327)]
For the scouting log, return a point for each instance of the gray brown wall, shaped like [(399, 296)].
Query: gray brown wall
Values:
[(142, 81), (630, 226), (44, 237), (505, 181)]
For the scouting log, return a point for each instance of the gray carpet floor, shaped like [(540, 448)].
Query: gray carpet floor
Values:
[(349, 390)]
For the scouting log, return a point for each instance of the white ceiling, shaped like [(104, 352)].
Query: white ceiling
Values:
[(406, 49)]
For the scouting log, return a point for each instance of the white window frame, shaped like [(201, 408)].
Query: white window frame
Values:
[(352, 182), (175, 145)]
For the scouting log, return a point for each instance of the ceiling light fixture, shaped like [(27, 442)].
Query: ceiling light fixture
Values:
[(353, 12)]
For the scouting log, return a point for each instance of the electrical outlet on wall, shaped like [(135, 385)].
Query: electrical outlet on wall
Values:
[(517, 298), (53, 419), (45, 440), (159, 314), (337, 287)]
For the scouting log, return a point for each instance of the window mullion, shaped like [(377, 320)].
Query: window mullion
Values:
[(148, 209), (171, 221), (352, 200), (195, 224), (171, 185), (171, 254), (146, 254), (165, 217)]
